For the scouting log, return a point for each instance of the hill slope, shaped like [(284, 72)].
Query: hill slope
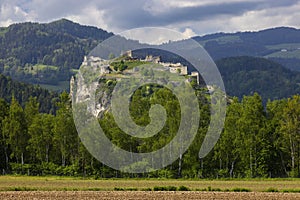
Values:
[(57, 48), (280, 44), (245, 75), (22, 92)]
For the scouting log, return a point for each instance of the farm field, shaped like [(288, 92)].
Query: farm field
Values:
[(25, 187), (66, 195), (56, 183)]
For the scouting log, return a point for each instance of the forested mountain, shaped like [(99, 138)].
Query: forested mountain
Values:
[(245, 75), (46, 53), (22, 92), (280, 44), (49, 54)]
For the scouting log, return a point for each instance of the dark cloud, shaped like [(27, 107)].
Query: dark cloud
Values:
[(119, 15), (276, 3), (135, 16)]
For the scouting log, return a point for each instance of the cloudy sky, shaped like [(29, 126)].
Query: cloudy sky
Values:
[(189, 17)]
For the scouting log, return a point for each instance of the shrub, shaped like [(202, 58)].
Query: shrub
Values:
[(183, 188), (146, 189), (272, 190), (292, 190), (165, 188), (240, 190), (118, 189)]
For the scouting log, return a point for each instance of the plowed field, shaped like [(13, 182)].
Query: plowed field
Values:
[(145, 195)]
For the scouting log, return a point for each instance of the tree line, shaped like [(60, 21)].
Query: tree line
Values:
[(257, 141)]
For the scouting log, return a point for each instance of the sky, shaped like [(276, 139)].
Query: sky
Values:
[(197, 17)]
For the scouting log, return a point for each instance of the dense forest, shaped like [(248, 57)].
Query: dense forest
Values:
[(245, 75), (256, 141), (22, 92), (46, 53)]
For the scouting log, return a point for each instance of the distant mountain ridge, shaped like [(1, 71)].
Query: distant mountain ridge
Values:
[(281, 44), (270, 36)]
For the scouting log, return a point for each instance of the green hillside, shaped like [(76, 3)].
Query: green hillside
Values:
[(280, 44), (46, 53), (245, 75), (22, 92)]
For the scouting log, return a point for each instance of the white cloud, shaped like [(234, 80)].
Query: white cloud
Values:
[(188, 33), (154, 36), (266, 18), (91, 16), (5, 23), (10, 13)]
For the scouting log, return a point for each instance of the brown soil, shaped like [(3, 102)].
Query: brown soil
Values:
[(146, 195)]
